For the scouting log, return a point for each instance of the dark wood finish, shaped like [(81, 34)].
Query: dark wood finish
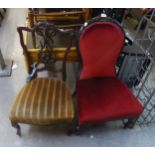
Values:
[(47, 32), (130, 123), (16, 125)]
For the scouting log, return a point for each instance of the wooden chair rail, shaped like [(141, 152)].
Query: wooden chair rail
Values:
[(60, 53)]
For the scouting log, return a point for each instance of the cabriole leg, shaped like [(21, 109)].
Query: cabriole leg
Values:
[(16, 125)]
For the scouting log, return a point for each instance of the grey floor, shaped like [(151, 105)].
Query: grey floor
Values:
[(108, 134)]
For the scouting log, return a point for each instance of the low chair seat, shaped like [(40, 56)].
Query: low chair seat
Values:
[(43, 101), (104, 99)]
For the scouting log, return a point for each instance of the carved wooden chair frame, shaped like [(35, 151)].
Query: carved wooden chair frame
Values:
[(46, 54)]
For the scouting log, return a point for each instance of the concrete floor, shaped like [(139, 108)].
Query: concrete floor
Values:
[(108, 134)]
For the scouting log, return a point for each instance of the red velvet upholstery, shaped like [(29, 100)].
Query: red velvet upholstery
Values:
[(100, 45), (103, 99), (101, 95)]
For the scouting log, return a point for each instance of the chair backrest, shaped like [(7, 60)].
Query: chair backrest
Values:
[(100, 43), (46, 55)]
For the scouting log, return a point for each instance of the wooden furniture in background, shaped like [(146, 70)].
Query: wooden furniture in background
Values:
[(64, 18)]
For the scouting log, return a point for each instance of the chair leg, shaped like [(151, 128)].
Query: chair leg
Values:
[(16, 125), (74, 130), (74, 93), (130, 123)]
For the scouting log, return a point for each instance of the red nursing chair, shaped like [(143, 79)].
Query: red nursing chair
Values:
[(101, 95)]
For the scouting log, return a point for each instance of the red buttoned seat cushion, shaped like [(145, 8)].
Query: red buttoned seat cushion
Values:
[(103, 99)]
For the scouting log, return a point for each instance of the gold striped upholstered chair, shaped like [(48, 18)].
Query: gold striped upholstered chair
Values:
[(43, 101)]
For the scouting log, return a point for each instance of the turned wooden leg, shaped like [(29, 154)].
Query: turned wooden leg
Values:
[(16, 125), (130, 123)]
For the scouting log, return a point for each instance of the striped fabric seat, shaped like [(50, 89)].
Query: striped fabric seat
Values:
[(43, 101)]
